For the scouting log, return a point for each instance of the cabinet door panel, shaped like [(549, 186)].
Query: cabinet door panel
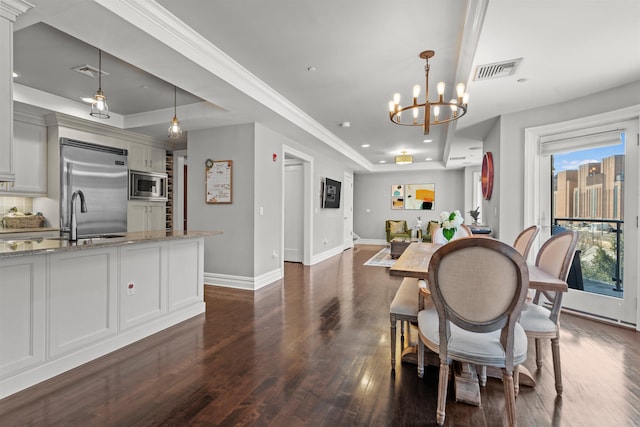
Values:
[(22, 313), (142, 293), (30, 147), (82, 298), (185, 283)]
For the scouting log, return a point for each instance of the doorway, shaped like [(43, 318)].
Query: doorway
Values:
[(297, 206), (585, 177)]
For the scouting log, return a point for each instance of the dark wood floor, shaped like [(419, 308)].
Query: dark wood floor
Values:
[(313, 349)]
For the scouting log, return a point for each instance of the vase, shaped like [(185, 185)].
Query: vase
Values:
[(438, 236)]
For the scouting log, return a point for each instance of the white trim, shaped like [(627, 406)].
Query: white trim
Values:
[(243, 282), (159, 23), (372, 242), (308, 167), (326, 255)]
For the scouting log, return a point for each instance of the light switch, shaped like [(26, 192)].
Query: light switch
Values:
[(261, 210)]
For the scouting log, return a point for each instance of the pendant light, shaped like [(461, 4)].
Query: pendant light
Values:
[(174, 130), (99, 107)]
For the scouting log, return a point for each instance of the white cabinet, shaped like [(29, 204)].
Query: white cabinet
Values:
[(146, 157), (30, 161), (22, 313), (6, 100), (145, 216)]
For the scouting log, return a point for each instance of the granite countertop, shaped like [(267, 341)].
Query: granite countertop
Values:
[(20, 247), (26, 230)]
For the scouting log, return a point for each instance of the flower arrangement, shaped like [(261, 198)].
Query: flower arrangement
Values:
[(450, 223)]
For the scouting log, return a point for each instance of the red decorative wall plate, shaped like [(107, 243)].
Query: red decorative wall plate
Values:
[(487, 175)]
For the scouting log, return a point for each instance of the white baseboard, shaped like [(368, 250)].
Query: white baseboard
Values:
[(372, 242), (326, 255), (243, 282)]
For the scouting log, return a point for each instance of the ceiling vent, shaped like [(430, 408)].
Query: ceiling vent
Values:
[(496, 70), (88, 70)]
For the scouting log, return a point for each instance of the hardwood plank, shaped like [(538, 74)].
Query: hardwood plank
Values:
[(313, 349)]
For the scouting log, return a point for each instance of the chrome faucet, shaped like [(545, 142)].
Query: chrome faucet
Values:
[(73, 229)]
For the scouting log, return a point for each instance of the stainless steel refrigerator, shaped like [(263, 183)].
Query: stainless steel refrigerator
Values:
[(101, 173)]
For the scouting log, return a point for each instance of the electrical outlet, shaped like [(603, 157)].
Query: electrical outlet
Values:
[(274, 254), (131, 288)]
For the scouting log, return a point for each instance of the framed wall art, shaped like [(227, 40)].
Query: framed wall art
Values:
[(218, 181), (420, 196), (397, 196)]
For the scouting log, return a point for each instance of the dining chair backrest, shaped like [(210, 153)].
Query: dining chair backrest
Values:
[(556, 254), (478, 285), (465, 229), (525, 239)]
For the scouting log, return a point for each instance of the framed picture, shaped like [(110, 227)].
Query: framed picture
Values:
[(218, 182), (420, 196), (397, 196)]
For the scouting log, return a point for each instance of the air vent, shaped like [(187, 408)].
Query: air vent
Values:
[(496, 70), (457, 158), (88, 70)]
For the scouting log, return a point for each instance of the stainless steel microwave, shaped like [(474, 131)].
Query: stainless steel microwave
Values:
[(147, 186)]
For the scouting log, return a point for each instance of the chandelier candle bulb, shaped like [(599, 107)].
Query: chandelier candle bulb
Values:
[(441, 91), (460, 90), (436, 112)]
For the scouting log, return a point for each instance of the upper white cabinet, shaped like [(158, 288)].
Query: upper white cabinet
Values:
[(30, 160), (146, 157), (9, 11), (6, 99)]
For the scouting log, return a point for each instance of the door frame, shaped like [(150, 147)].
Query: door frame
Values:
[(536, 196), (307, 165)]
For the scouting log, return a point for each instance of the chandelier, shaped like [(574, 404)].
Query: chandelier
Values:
[(433, 113)]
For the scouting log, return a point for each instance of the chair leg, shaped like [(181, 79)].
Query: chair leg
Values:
[(538, 353), (516, 379), (393, 341), (420, 358), (443, 382), (509, 396), (482, 374), (557, 372)]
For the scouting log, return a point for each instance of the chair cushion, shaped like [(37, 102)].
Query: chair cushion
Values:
[(406, 300), (472, 347), (397, 227), (535, 318)]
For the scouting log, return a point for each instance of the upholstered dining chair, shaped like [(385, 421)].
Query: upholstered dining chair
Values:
[(525, 239), (478, 287), (539, 322)]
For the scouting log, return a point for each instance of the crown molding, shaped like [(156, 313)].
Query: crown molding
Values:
[(11, 9), (159, 23)]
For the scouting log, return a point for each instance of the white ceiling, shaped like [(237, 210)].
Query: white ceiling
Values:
[(242, 61)]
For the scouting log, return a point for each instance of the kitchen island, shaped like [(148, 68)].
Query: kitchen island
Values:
[(65, 303)]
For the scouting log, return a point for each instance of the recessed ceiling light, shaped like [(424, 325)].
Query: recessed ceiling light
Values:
[(475, 148), (383, 161), (427, 141), (14, 74), (312, 69), (428, 159), (345, 124), (522, 80), (87, 100), (366, 145)]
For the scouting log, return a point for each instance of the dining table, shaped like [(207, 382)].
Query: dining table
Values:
[(414, 262)]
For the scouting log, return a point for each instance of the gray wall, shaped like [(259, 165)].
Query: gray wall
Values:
[(251, 235), (372, 192), (491, 208), (268, 195), (232, 252)]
